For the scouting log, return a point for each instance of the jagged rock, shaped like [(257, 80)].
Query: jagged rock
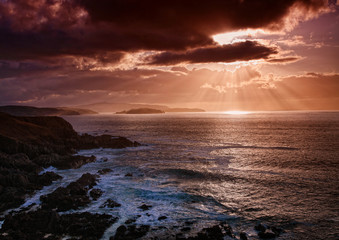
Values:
[(131, 232), (260, 227), (95, 193), (162, 218), (216, 232), (48, 177), (277, 230), (129, 221), (38, 224), (268, 234), (243, 236), (110, 204), (104, 171), (73, 196), (145, 207)]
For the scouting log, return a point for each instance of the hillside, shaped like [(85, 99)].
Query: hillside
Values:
[(35, 111)]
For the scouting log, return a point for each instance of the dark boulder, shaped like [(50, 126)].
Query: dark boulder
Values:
[(131, 232), (162, 218), (260, 227), (104, 171), (145, 207), (110, 204), (243, 236), (268, 234)]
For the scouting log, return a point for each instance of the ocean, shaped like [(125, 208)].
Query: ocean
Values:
[(276, 168)]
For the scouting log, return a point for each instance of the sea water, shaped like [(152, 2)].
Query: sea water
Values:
[(275, 168)]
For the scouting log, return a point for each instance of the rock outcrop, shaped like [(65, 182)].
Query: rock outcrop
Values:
[(29, 144), (74, 196), (45, 224)]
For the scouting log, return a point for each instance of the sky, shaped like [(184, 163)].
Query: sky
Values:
[(218, 55)]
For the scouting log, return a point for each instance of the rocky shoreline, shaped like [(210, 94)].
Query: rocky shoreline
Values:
[(30, 144)]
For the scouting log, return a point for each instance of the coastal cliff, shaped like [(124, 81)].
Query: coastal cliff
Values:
[(29, 144)]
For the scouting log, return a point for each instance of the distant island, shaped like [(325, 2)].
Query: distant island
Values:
[(17, 110), (184, 110), (141, 111), (110, 107)]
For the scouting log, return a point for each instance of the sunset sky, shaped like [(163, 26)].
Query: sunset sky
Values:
[(217, 55)]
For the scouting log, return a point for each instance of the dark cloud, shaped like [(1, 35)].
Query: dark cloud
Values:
[(283, 60), (196, 15), (241, 51), (34, 28)]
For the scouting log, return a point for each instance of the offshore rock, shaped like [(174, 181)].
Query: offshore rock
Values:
[(268, 232), (110, 204)]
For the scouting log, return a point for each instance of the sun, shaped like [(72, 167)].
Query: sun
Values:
[(236, 112)]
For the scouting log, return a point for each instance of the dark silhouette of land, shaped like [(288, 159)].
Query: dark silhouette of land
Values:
[(29, 144), (142, 111), (35, 111), (120, 107)]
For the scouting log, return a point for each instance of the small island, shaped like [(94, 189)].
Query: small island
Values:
[(141, 111)]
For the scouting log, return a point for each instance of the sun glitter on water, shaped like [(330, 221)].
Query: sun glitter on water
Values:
[(236, 112)]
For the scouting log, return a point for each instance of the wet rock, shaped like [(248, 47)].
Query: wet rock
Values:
[(268, 234), (145, 207), (11, 197), (185, 229), (228, 230), (162, 218), (277, 230), (110, 204), (48, 177), (19, 176), (120, 232), (95, 193), (73, 196), (65, 161), (216, 232), (104, 171), (260, 227), (243, 236), (129, 221), (131, 232), (86, 225), (41, 223), (87, 141)]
